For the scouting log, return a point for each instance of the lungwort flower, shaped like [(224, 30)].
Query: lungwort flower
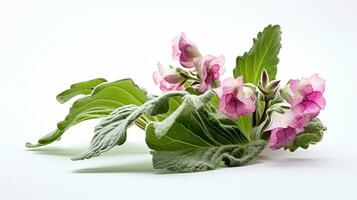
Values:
[(185, 51), (168, 79), (209, 69), (284, 126), (235, 99), (306, 95)]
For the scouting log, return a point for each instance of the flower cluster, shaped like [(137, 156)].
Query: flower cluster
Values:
[(200, 72), (299, 101), (306, 99)]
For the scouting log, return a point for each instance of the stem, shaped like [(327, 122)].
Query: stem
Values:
[(254, 116), (140, 123), (188, 74), (266, 106)]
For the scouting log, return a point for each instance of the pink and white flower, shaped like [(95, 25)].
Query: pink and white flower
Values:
[(168, 79), (209, 70), (306, 95), (185, 51), (235, 99), (284, 127)]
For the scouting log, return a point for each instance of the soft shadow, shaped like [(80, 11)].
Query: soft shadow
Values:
[(285, 158), (255, 161), (133, 167), (72, 151), (57, 151), (300, 161)]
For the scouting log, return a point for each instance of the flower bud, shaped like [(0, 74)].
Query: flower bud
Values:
[(268, 88)]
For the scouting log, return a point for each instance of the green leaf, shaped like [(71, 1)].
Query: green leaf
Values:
[(103, 100), (111, 131), (263, 55), (84, 88), (189, 104), (200, 140), (245, 124), (312, 134), (248, 123), (206, 158)]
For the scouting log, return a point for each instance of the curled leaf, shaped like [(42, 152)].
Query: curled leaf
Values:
[(84, 88), (312, 134), (201, 140), (111, 131), (103, 100)]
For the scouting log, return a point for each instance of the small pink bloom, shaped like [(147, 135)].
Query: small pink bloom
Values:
[(284, 127), (168, 79), (209, 70), (235, 99), (185, 51), (281, 137), (306, 95)]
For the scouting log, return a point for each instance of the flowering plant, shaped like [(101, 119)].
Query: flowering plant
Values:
[(202, 120)]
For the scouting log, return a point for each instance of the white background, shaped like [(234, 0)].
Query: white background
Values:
[(47, 45)]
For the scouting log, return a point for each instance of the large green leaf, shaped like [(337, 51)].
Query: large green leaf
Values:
[(263, 55), (206, 158), (112, 129), (104, 99), (200, 140), (312, 134), (84, 88)]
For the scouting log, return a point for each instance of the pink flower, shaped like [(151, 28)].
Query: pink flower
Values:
[(284, 127), (281, 137), (306, 99), (209, 69), (185, 51), (235, 99), (306, 95), (168, 79)]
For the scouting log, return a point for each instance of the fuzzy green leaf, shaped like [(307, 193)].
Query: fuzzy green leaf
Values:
[(312, 134), (206, 158), (263, 55), (103, 100), (111, 131), (190, 103), (84, 88), (200, 140)]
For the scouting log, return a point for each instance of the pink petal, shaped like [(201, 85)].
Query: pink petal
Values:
[(157, 77), (281, 120), (317, 98), (245, 108), (305, 88), (175, 48), (321, 102), (281, 137), (208, 59), (186, 61), (294, 84), (308, 108), (174, 78), (228, 98), (203, 87), (318, 84), (220, 60), (230, 84)]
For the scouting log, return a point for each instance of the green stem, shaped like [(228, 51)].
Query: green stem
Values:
[(266, 106)]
